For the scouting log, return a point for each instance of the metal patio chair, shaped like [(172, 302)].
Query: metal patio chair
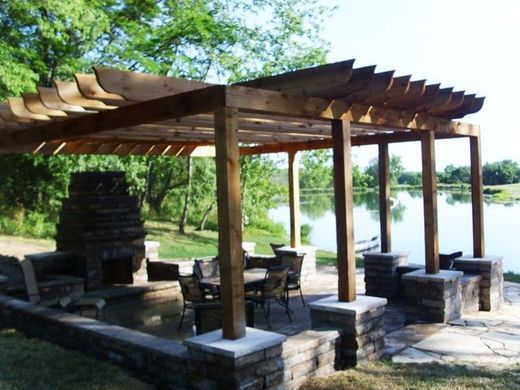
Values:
[(192, 294), (274, 287), (295, 263)]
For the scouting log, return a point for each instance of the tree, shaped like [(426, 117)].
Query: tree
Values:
[(396, 169), (221, 40), (317, 169), (502, 172), (455, 175)]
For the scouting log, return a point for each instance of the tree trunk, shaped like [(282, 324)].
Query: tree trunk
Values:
[(184, 216), (204, 220)]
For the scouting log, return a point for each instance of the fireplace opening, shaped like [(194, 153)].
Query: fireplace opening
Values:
[(118, 271)]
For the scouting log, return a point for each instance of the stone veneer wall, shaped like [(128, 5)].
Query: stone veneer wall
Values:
[(360, 323), (432, 297), (470, 293), (490, 268), (382, 278)]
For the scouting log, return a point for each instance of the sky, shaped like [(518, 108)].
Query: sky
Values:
[(472, 45)]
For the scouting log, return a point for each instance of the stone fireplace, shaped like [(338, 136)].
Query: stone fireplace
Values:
[(100, 222)]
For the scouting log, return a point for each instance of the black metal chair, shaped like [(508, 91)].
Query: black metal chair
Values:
[(208, 267), (275, 247), (192, 294), (273, 287), (446, 260), (294, 262)]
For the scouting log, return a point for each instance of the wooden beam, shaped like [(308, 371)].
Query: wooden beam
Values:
[(254, 100), (343, 198), (385, 213), (477, 206), (229, 223), (294, 199), (431, 238)]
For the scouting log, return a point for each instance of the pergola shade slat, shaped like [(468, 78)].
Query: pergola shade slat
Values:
[(289, 109)]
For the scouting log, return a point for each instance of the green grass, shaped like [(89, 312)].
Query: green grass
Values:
[(198, 244), (35, 364), (511, 277), (508, 192), (384, 375)]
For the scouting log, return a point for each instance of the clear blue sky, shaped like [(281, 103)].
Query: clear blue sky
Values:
[(470, 45)]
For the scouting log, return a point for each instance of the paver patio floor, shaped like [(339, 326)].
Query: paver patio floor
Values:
[(478, 338)]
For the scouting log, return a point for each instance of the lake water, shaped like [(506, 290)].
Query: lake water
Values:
[(501, 221)]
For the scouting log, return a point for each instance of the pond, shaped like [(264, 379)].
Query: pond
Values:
[(501, 221)]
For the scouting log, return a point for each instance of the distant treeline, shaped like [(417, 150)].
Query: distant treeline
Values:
[(317, 173)]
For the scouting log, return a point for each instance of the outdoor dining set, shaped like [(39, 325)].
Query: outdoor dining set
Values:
[(266, 279)]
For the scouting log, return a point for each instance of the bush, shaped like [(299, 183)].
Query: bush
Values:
[(306, 230)]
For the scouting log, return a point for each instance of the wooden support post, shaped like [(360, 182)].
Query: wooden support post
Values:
[(229, 223), (294, 199), (429, 177), (477, 197), (385, 213), (343, 199)]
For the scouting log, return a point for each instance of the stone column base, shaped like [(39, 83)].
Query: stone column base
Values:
[(252, 362), (381, 276), (492, 282), (432, 297), (361, 325)]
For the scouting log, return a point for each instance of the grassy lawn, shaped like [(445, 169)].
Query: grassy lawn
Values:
[(510, 191), (34, 364), (198, 244), (384, 375)]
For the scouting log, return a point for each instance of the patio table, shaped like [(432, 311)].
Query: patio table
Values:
[(252, 277)]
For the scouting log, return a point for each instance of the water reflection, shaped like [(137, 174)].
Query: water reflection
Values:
[(501, 221)]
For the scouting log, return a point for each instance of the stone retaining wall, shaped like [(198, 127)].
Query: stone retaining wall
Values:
[(167, 364), (310, 353), (155, 360)]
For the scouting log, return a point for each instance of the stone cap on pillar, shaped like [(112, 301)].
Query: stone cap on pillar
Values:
[(393, 255), (362, 304), (441, 276), (299, 250), (255, 340), (485, 259)]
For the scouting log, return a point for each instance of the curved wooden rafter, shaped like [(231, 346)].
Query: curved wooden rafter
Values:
[(90, 89), (35, 105), (19, 111), (69, 92), (139, 87), (51, 99)]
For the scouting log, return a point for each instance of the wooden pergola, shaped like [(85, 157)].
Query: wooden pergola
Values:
[(331, 106)]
